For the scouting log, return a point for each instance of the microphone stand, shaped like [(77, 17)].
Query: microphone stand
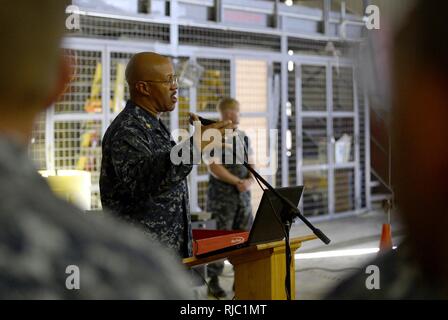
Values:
[(288, 214), (292, 211)]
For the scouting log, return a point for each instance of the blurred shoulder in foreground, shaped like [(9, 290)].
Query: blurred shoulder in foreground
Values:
[(419, 112), (40, 236), (398, 277), (44, 241)]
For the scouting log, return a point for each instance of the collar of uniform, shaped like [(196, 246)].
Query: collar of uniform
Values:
[(149, 120)]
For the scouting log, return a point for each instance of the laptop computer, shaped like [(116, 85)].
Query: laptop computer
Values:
[(267, 226)]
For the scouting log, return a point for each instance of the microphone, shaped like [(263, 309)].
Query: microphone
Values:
[(204, 122)]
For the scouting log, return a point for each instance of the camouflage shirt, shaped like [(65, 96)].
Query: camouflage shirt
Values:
[(41, 235), (140, 183), (232, 159)]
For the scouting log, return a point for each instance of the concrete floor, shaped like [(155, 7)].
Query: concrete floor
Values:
[(316, 276)]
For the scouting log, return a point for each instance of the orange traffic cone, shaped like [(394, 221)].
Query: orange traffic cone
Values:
[(386, 238)]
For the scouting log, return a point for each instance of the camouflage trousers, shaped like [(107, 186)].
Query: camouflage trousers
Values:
[(231, 212)]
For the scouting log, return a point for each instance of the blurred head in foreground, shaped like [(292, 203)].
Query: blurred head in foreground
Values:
[(417, 269), (420, 133), (33, 70)]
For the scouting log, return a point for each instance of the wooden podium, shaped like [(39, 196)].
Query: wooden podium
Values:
[(260, 270)]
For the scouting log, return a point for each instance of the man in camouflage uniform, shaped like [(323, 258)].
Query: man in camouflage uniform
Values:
[(138, 179), (417, 269), (228, 193), (44, 241)]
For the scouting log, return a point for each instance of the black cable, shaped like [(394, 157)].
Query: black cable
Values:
[(288, 266), (206, 283)]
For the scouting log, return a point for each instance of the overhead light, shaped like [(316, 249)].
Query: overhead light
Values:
[(337, 253), (288, 109), (290, 52), (333, 253), (329, 47), (288, 139), (288, 2), (290, 66)]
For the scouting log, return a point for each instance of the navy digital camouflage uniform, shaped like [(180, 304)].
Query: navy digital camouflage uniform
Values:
[(40, 235), (231, 209), (400, 278), (140, 183)]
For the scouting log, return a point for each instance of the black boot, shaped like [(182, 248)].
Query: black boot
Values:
[(215, 289)]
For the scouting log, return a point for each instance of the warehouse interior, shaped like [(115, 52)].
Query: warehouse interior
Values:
[(268, 69), (299, 77), (311, 82)]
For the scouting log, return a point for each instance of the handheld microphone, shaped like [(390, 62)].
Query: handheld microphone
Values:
[(204, 122)]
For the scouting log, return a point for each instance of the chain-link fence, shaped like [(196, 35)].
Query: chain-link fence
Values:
[(317, 107)]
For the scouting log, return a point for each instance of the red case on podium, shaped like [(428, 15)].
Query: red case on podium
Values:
[(205, 240)]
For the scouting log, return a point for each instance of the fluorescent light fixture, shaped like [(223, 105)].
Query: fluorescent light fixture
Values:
[(288, 109), (333, 254), (288, 139), (290, 65), (337, 253)]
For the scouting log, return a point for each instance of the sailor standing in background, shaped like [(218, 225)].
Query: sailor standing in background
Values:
[(228, 194)]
